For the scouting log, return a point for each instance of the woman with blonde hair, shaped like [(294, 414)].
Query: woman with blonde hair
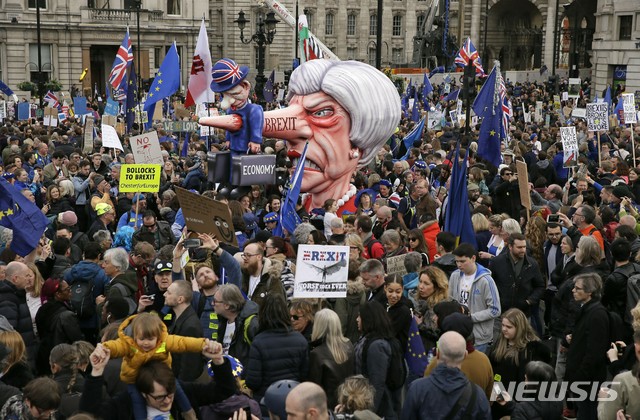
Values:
[(356, 394), (496, 243), (34, 286), (356, 247), (14, 368), (433, 288), (481, 228), (332, 358)]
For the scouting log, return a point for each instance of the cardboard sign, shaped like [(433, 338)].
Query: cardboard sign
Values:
[(80, 105), (181, 126), (139, 178), (110, 137), (109, 120), (395, 265), (87, 144), (206, 215), (50, 117), (523, 184), (146, 148), (180, 111), (597, 116), (321, 271), (570, 146)]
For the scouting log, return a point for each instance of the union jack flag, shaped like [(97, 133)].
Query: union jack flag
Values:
[(505, 104), (468, 54), (124, 56), (51, 99), (226, 69)]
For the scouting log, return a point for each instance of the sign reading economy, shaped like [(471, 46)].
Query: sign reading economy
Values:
[(140, 178)]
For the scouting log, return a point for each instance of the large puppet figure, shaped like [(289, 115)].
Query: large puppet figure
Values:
[(345, 109), (229, 79)]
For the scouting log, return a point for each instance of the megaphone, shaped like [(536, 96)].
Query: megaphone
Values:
[(83, 75)]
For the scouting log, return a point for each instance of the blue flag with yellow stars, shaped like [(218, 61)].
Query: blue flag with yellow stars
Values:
[(416, 356), (23, 217), (289, 218), (132, 98), (165, 84)]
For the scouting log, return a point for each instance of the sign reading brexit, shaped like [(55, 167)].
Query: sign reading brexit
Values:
[(321, 271), (140, 178)]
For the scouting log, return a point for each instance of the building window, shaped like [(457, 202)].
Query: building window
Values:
[(351, 24), (328, 26), (310, 18), (373, 25), (397, 25), (45, 55), (352, 53), (173, 7), (626, 23), (156, 57), (372, 56), (398, 55), (32, 4), (419, 23)]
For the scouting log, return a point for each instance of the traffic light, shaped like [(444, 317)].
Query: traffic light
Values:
[(469, 82)]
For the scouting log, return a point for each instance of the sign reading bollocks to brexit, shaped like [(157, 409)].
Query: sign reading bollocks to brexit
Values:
[(140, 178)]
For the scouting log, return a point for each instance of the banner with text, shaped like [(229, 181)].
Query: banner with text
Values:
[(321, 271), (140, 178)]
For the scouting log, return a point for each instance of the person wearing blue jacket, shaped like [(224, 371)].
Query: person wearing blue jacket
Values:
[(89, 270), (446, 393)]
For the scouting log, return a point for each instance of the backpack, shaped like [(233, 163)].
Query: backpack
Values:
[(126, 294), (397, 372), (82, 300), (633, 296), (370, 247)]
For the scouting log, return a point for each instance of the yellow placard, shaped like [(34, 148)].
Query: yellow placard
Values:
[(140, 178)]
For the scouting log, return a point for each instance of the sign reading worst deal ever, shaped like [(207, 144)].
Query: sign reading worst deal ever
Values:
[(140, 178)]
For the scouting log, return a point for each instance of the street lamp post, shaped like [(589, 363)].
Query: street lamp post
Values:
[(40, 83), (138, 5), (262, 37)]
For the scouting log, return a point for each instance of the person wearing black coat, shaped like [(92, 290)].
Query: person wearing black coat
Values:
[(517, 276), (589, 340), (506, 196)]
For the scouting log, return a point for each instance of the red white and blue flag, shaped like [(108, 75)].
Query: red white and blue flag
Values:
[(51, 99), (226, 70), (124, 56), (469, 55)]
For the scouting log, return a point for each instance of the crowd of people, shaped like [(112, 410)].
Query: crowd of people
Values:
[(115, 315)]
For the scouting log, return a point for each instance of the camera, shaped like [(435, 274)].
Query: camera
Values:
[(192, 243), (553, 218)]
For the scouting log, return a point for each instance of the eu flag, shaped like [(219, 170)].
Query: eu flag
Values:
[(484, 103), (427, 88), (289, 218), (489, 138), (413, 136), (416, 356), (165, 84), (607, 98), (458, 216), (415, 111), (23, 217), (5, 89), (453, 96), (132, 98)]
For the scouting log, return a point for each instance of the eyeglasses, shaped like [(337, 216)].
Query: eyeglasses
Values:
[(160, 398), (508, 173), (295, 317), (246, 255), (413, 239), (578, 288), (354, 248)]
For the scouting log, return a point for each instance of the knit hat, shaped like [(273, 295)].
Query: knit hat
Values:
[(622, 191), (262, 236), (138, 197), (250, 221), (102, 208), (49, 288), (270, 217), (236, 366), (533, 136), (462, 324), (97, 180), (68, 218), (163, 266), (385, 182)]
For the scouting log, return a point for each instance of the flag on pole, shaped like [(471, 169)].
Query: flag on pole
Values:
[(416, 355), (289, 218), (132, 98), (199, 90), (5, 89), (267, 91), (458, 216), (124, 56), (413, 136), (453, 96), (51, 99), (23, 217), (165, 84), (427, 88), (468, 54), (608, 100), (309, 48), (415, 111), (490, 106)]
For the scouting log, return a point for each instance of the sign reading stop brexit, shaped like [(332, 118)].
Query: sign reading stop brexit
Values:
[(140, 178)]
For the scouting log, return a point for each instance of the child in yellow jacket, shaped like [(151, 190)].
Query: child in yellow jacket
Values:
[(142, 338)]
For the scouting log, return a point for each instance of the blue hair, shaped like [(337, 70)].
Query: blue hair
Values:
[(123, 238)]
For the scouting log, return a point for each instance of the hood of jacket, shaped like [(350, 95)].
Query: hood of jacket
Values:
[(272, 267), (449, 380), (84, 271), (125, 332), (543, 164), (355, 288)]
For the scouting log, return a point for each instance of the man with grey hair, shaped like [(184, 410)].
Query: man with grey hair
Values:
[(337, 231), (446, 393), (372, 273)]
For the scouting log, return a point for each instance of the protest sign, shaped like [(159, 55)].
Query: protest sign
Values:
[(523, 184), (574, 88), (597, 118), (3, 110), (87, 139), (139, 178), (538, 114), (110, 137), (146, 148), (321, 271), (629, 106), (579, 113), (181, 126), (569, 146), (111, 108), (395, 265), (110, 120), (24, 110), (80, 105), (206, 215), (433, 120)]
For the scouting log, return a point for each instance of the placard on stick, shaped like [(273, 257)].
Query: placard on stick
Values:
[(206, 215), (140, 178), (395, 265), (523, 184), (569, 146), (597, 118), (146, 148)]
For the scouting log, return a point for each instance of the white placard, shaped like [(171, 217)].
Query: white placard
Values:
[(628, 99), (146, 148), (433, 120), (569, 146), (597, 118), (538, 114), (579, 113), (574, 87), (565, 96), (321, 271), (110, 137), (3, 110)]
